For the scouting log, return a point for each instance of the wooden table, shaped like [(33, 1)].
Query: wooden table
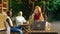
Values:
[(24, 28), (24, 25), (42, 32)]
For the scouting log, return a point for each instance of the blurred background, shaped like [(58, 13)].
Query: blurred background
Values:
[(50, 8)]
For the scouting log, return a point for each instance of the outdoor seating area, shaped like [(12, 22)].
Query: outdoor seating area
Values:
[(29, 16), (31, 31)]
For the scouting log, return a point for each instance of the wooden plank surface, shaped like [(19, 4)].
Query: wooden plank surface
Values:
[(2, 21), (42, 32)]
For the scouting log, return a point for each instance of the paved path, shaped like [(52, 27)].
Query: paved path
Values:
[(56, 26)]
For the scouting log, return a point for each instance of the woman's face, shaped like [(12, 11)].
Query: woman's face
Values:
[(36, 10)]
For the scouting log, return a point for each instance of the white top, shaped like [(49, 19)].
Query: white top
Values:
[(20, 20), (7, 25)]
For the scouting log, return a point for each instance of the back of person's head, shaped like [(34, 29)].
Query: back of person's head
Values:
[(20, 13)]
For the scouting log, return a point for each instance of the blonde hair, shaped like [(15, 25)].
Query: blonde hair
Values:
[(20, 13)]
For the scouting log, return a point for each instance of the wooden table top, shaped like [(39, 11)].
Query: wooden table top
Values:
[(24, 25), (51, 31), (43, 31)]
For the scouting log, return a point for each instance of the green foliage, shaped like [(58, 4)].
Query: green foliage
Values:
[(23, 6), (51, 6), (41, 3)]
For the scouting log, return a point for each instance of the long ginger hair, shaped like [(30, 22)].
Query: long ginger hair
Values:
[(38, 10)]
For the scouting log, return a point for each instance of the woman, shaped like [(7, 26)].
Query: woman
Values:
[(37, 15), (9, 24)]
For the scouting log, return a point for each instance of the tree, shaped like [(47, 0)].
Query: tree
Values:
[(51, 7), (27, 6)]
